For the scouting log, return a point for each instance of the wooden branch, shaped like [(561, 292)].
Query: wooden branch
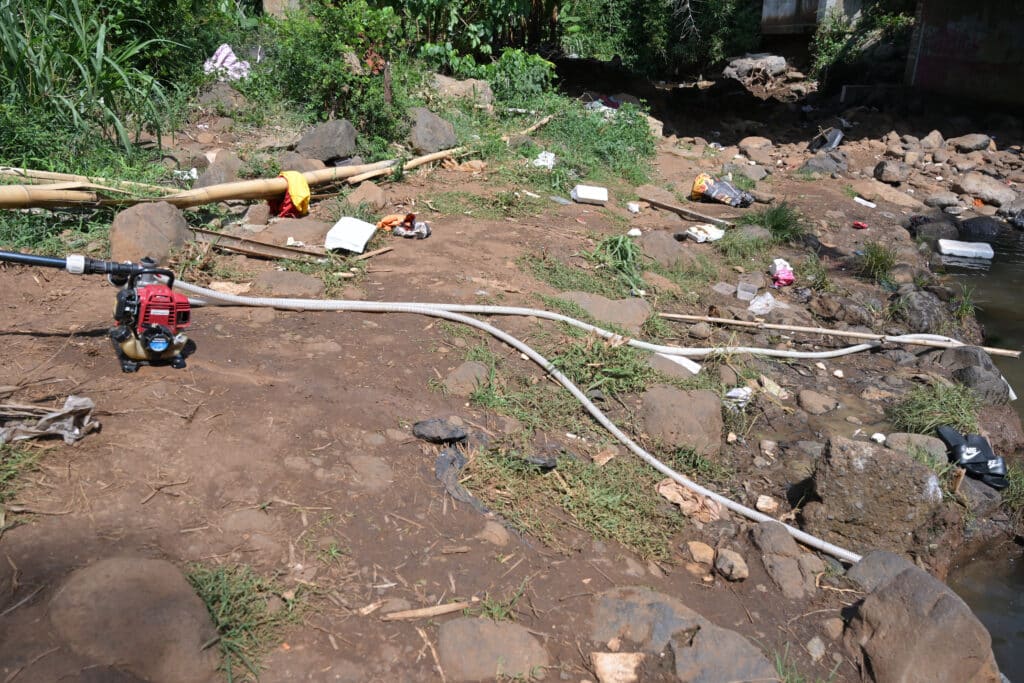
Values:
[(684, 212), (426, 612)]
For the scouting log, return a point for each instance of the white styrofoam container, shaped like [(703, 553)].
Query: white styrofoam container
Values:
[(350, 234), (966, 249), (589, 194)]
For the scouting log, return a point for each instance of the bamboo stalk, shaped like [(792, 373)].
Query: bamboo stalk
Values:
[(51, 175), (409, 165), (834, 333), (425, 612)]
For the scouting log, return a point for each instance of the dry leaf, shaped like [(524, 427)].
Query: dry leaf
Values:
[(235, 288), (702, 509), (606, 454)]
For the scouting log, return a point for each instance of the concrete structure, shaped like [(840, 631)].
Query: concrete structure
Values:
[(970, 50), (780, 17)]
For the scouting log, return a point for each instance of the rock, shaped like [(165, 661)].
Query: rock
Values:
[(288, 284), (870, 497), (815, 403), (874, 190), (937, 230), (892, 172), (941, 200), (138, 615), (767, 505), (833, 628), (616, 667), (370, 194), (912, 444), (629, 313), (471, 88), (743, 67), (974, 368), (755, 172), (495, 534), (969, 143), (982, 500), (816, 649), (257, 214), (703, 652), (980, 228), (220, 96), (152, 230), (293, 161), (731, 565), (923, 312), (223, 169), (309, 231), (940, 156), (686, 419), (986, 188), (782, 560), (914, 602), (826, 163), (754, 232), (465, 379), (668, 367), (700, 331), (750, 146), (430, 133), (912, 158), (438, 430), (475, 649), (701, 553), (877, 568), (932, 141), (328, 141), (666, 250)]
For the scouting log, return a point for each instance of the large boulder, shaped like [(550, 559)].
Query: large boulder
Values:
[(892, 171), (223, 168), (870, 497), (476, 649), (923, 312), (743, 67), (942, 199), (973, 367), (683, 419), (653, 622), (369, 193), (986, 188), (309, 231), (874, 190), (328, 141), (792, 570), (663, 248), (972, 142), (152, 230), (628, 313), (139, 615), (430, 133), (912, 628), (221, 97), (826, 163), (293, 161), (980, 228), (471, 88)]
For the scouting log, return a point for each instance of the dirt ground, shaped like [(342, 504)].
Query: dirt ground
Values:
[(289, 434)]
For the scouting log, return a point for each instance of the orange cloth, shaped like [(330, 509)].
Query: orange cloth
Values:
[(395, 219)]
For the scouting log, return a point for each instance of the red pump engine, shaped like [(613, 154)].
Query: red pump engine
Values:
[(150, 318)]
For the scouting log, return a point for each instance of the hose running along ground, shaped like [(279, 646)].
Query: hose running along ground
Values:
[(455, 313)]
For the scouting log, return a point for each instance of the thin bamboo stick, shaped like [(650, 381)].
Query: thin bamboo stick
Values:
[(51, 175), (833, 333)]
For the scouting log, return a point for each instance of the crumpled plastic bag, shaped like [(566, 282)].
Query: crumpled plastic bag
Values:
[(724, 192), (693, 505), (71, 423), (226, 65), (762, 305)]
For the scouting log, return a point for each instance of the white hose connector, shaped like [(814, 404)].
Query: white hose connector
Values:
[(75, 264), (440, 311)]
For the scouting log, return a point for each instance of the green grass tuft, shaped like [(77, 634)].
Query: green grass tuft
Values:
[(783, 221), (739, 249), (928, 407), (815, 275), (876, 262), (16, 460), (571, 278)]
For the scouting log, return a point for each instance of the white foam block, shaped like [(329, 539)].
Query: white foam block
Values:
[(589, 194), (350, 234), (966, 249)]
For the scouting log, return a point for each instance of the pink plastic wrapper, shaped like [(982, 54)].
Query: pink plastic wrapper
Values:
[(783, 277)]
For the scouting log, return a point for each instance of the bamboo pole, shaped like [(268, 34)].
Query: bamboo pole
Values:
[(834, 333), (69, 177)]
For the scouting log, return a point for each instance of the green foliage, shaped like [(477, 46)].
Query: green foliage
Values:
[(814, 273), (571, 278), (876, 261), (783, 221), (518, 75), (15, 461), (928, 407), (613, 368), (1013, 495), (623, 256), (840, 41), (738, 249), (239, 602), (963, 303)]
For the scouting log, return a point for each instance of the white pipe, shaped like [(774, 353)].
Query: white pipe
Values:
[(595, 412)]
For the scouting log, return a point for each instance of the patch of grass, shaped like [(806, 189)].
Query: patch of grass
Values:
[(482, 353), (1013, 495), (613, 368), (657, 329), (622, 255), (16, 460), (56, 233), (739, 249), (536, 406), (788, 672), (783, 221), (701, 468), (334, 271), (691, 278), (240, 603), (814, 273), (498, 610), (742, 182), (876, 262), (565, 277), (504, 204), (569, 308), (939, 465), (849, 191), (963, 303), (928, 407), (614, 502), (260, 166)]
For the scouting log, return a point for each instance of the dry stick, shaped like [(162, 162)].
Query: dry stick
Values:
[(426, 612), (543, 122), (22, 601), (371, 254), (14, 674), (834, 333), (433, 653), (684, 212)]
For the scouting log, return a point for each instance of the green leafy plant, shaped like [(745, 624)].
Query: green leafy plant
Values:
[(876, 261), (623, 256)]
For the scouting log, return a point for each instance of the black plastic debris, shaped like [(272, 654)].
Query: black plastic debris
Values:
[(438, 430), (974, 453), (448, 468), (826, 140)]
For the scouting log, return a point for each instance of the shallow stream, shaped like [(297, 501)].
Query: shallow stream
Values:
[(994, 587)]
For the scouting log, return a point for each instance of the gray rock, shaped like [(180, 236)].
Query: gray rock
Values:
[(754, 232), (293, 161), (152, 230), (629, 313), (893, 172), (816, 648), (288, 284), (666, 250), (782, 560), (826, 163), (940, 156), (731, 565), (700, 331), (870, 497), (982, 500), (932, 141), (328, 141), (877, 568), (221, 97), (985, 188), (471, 88), (223, 169), (941, 200), (370, 194), (755, 172), (815, 403), (937, 230), (974, 368), (139, 615), (923, 312), (703, 652), (750, 146), (257, 214), (980, 228), (476, 649), (917, 443), (914, 602), (430, 133), (668, 367), (686, 419), (969, 143), (438, 430), (464, 380)]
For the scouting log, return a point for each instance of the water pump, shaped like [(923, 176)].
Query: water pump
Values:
[(150, 316)]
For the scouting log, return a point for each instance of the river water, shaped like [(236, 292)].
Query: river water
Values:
[(994, 587)]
